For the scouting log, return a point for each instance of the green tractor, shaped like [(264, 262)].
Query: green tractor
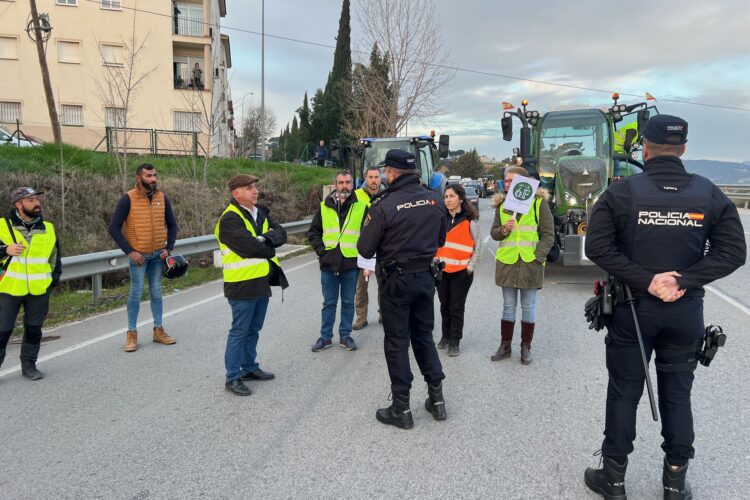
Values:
[(576, 154), (371, 151)]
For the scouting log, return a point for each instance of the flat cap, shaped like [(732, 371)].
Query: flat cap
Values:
[(666, 129), (398, 158), (241, 180), (23, 192)]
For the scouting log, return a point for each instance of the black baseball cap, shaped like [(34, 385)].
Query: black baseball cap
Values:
[(666, 129), (398, 158)]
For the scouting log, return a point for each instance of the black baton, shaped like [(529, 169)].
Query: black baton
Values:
[(630, 300)]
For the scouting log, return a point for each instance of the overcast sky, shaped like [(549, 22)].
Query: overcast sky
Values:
[(689, 50)]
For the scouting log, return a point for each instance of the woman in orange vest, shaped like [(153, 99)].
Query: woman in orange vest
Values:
[(461, 255)]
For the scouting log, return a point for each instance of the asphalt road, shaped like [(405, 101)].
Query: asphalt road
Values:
[(157, 423)]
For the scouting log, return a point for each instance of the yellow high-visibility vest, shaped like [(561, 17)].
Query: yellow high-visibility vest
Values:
[(236, 268), (30, 273), (363, 196), (522, 240), (345, 237)]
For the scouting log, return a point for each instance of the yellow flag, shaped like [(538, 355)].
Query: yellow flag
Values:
[(507, 106), (649, 97)]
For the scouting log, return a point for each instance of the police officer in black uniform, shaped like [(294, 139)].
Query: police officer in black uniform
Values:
[(405, 227), (650, 232)]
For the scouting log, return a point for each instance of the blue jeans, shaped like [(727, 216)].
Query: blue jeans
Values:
[(151, 267), (528, 304), (347, 282), (242, 343)]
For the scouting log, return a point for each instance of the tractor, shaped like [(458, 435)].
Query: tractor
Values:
[(371, 151), (576, 154)]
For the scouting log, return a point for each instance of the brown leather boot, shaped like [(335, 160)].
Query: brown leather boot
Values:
[(161, 336), (506, 336), (527, 334), (131, 341)]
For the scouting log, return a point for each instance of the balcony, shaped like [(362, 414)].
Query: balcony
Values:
[(186, 77), (187, 25)]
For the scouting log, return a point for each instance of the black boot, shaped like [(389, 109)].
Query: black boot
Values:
[(435, 403), (398, 414), (608, 481), (676, 486), (29, 353)]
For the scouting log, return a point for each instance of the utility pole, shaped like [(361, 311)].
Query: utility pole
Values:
[(39, 41), (263, 79)]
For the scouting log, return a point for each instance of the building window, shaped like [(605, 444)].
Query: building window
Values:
[(8, 47), (71, 115), (10, 111), (188, 19), (66, 2), (112, 4), (187, 121), (111, 54), (114, 117), (69, 52)]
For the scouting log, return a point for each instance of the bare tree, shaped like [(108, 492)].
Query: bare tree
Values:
[(117, 88), (408, 33), (371, 95), (255, 126)]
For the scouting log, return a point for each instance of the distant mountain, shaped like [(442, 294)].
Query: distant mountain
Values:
[(720, 172)]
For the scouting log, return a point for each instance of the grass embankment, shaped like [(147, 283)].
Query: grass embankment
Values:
[(93, 183)]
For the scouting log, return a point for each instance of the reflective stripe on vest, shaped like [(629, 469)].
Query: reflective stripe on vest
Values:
[(458, 248), (236, 268), (522, 240), (334, 236), (30, 273)]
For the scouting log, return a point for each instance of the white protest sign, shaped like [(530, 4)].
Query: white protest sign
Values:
[(521, 193)]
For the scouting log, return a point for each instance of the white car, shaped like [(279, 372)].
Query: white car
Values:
[(7, 138)]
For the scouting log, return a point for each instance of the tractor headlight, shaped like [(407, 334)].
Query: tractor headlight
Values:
[(570, 199)]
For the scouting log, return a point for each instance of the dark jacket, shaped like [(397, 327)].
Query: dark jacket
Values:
[(524, 274), (28, 229), (234, 234), (610, 226), (406, 223), (331, 260)]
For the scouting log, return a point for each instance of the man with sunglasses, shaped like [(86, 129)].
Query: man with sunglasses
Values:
[(30, 266)]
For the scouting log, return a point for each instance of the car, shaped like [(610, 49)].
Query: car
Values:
[(472, 195), (7, 138)]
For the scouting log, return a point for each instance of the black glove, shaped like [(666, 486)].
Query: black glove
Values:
[(593, 312)]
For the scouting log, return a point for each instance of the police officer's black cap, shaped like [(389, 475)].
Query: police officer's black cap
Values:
[(666, 129), (398, 158)]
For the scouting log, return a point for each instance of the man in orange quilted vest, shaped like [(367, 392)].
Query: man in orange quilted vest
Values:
[(144, 227)]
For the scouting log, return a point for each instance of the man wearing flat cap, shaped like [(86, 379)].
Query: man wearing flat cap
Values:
[(248, 239), (405, 227), (650, 231), (30, 266)]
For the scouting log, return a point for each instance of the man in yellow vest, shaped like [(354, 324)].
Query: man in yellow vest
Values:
[(30, 266), (365, 194), (144, 227), (333, 234), (248, 239)]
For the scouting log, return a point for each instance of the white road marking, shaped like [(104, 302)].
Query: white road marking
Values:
[(486, 240), (120, 331), (728, 299)]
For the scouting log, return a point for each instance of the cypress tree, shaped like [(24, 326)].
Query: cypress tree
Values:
[(338, 89)]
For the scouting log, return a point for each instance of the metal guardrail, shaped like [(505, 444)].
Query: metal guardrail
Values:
[(95, 265), (738, 193)]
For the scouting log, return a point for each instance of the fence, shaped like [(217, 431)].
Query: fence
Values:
[(738, 193), (153, 141), (95, 265)]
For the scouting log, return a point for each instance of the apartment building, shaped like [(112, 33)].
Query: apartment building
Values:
[(98, 50)]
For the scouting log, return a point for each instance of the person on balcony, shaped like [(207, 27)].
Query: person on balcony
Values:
[(197, 72)]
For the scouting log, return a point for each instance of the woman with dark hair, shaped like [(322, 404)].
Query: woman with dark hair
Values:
[(460, 255), (525, 240)]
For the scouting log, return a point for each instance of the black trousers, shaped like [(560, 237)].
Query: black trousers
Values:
[(35, 308), (409, 316), (452, 292), (674, 330)]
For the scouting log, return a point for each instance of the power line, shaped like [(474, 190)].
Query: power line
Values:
[(445, 66)]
